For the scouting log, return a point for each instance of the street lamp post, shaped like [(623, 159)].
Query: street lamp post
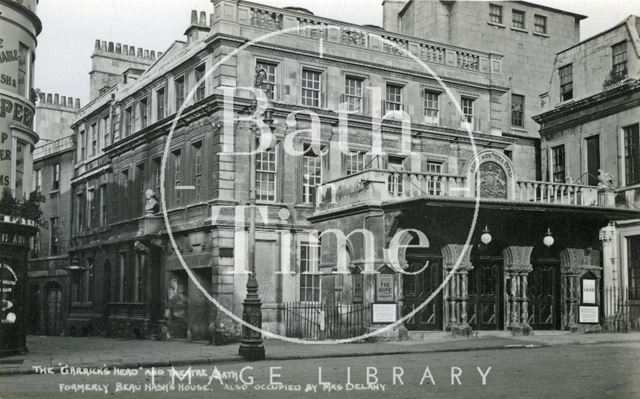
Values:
[(251, 347)]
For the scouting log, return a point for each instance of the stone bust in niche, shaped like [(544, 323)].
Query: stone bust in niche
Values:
[(151, 203)]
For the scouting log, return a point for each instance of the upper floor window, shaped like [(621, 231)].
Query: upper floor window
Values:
[(353, 95), (177, 175), (199, 75), (128, 121), (124, 186), (311, 90), (179, 86), (90, 207), (311, 173), (355, 162), (139, 188), (103, 204), (82, 146), (23, 70), (53, 244), (517, 110), (395, 181), (435, 183), (495, 13), (144, 109), (517, 19), (557, 155), (566, 82), (468, 111), (393, 97), (619, 60), (271, 71), (632, 154), (157, 166), (161, 103), (431, 107), (266, 175), (197, 168), (37, 180), (94, 139), (106, 131), (56, 177), (540, 24)]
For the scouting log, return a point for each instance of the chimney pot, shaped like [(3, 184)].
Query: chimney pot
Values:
[(132, 51), (118, 48), (111, 48), (97, 45), (140, 52), (203, 18), (146, 54), (194, 17), (56, 99), (49, 98), (63, 101), (211, 19), (125, 49), (152, 55), (77, 103), (103, 45)]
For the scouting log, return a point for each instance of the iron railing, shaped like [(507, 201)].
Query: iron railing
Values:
[(621, 311), (318, 321)]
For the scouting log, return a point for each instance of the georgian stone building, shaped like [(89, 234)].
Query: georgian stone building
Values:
[(590, 135), (423, 178), (53, 164)]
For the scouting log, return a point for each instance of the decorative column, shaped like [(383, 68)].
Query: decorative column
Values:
[(517, 264), (612, 286), (456, 291), (574, 263)]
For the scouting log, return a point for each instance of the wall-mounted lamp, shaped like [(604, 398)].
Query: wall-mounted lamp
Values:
[(486, 238), (548, 239)]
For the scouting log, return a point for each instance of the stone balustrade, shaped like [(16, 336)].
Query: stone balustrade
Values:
[(268, 18), (386, 186)]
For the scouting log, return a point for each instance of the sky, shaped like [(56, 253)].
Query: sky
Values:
[(70, 28)]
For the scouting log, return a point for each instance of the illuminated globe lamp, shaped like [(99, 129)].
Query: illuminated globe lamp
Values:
[(486, 237), (548, 239)]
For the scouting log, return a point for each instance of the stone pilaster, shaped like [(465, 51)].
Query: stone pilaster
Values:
[(456, 290), (517, 263), (574, 263), (610, 273)]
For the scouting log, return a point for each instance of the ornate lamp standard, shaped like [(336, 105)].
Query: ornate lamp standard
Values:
[(251, 347)]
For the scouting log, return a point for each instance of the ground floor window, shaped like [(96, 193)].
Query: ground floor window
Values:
[(633, 262), (309, 277)]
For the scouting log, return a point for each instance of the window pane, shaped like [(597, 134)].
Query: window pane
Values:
[(517, 110)]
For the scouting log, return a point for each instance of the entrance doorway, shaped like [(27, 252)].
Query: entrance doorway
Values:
[(486, 289), (543, 290), (53, 309), (417, 288)]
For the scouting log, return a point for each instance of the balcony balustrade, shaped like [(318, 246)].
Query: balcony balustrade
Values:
[(380, 186)]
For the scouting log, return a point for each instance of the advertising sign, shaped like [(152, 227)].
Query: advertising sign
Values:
[(384, 288), (589, 314), (384, 313), (589, 291)]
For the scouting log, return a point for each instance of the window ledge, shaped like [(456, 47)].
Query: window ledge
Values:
[(519, 30), (497, 25), (52, 192), (540, 34), (519, 129)]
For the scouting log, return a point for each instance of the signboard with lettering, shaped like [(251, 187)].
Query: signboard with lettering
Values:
[(589, 314), (8, 280), (384, 288), (384, 313), (589, 291)]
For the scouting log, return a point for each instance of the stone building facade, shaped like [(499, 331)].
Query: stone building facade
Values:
[(436, 138), (54, 159), (590, 135), (19, 27)]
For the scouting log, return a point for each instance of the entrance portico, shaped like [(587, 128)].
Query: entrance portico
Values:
[(517, 281)]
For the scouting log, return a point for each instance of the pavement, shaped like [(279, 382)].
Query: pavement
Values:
[(97, 352)]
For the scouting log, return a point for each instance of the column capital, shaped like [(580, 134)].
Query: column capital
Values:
[(451, 253), (607, 234), (517, 259)]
